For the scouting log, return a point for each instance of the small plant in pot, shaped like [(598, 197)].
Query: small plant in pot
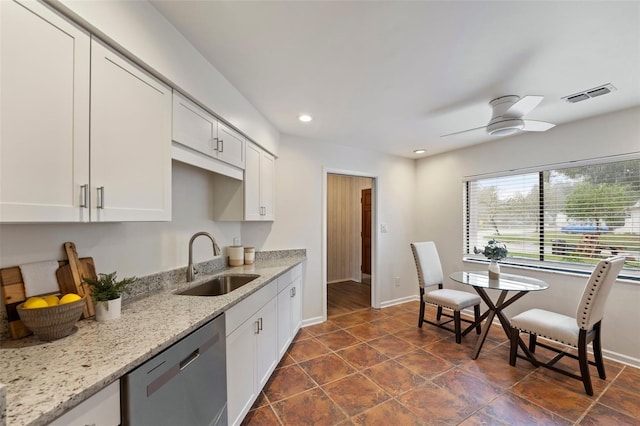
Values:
[(107, 291), (494, 251)]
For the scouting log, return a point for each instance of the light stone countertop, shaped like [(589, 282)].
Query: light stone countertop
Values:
[(45, 379)]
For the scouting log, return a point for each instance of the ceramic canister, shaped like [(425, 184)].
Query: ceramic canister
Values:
[(249, 255), (236, 255)]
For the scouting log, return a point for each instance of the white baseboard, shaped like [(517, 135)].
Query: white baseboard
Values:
[(393, 302), (312, 321), (624, 359)]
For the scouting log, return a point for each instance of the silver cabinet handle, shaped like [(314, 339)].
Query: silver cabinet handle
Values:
[(84, 189), (100, 193), (219, 145), (293, 291), (257, 323), (260, 324)]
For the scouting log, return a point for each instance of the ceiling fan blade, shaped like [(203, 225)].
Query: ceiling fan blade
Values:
[(536, 126), (524, 106), (464, 131)]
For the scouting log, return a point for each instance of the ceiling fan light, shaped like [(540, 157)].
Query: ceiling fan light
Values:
[(505, 127)]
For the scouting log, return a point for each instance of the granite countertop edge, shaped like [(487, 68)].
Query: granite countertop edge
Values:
[(43, 380)]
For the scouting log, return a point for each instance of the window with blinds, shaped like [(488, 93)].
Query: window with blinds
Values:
[(563, 218)]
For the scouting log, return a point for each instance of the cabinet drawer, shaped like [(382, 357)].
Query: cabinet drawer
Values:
[(239, 313), (284, 280), (288, 277)]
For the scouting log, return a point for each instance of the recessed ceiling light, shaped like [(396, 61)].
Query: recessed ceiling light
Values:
[(419, 151), (305, 118)]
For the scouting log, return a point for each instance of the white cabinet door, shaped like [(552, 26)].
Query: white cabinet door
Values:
[(267, 341), (242, 389), (130, 141), (193, 127), (267, 183), (258, 184), (296, 306), (230, 145), (44, 118), (199, 130), (102, 409), (284, 320), (252, 206)]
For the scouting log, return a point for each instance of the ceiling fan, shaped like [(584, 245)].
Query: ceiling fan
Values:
[(507, 117)]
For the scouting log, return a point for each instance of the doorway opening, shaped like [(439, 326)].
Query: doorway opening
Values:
[(348, 243)]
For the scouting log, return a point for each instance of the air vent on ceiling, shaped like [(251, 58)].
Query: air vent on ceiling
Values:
[(588, 94)]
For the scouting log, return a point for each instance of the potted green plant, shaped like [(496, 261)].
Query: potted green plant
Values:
[(495, 251), (107, 291)]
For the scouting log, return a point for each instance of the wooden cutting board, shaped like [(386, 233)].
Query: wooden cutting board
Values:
[(78, 273), (13, 292)]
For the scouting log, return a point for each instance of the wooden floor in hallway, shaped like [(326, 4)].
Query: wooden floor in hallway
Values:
[(376, 367), (347, 296)]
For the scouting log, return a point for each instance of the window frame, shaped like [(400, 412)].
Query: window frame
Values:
[(539, 264)]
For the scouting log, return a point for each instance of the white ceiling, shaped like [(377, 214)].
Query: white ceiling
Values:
[(393, 76)]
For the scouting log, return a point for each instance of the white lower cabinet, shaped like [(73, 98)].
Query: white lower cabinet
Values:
[(258, 328), (266, 347), (289, 308), (251, 350), (102, 409)]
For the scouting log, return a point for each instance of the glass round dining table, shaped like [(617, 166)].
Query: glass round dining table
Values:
[(481, 282)]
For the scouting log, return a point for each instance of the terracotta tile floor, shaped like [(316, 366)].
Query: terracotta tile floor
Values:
[(376, 367)]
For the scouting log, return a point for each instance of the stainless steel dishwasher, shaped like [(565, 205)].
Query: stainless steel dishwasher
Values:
[(186, 384)]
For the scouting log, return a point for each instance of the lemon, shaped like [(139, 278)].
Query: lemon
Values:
[(68, 298), (51, 300), (35, 302)]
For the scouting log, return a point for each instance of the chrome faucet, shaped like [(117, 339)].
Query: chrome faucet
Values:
[(191, 271)]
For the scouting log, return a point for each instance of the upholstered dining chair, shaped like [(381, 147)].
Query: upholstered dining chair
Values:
[(430, 275), (576, 332)]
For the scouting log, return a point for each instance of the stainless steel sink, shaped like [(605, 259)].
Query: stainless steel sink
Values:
[(219, 285)]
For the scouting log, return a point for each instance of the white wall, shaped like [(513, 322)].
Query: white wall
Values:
[(139, 248), (440, 210), (299, 185), (138, 28)]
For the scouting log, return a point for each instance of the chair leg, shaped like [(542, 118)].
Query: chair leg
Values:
[(584, 362), (597, 351), (532, 342), (421, 318), (476, 314), (456, 320), (439, 313), (513, 349)]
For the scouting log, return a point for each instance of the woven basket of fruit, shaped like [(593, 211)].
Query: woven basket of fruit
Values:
[(50, 319)]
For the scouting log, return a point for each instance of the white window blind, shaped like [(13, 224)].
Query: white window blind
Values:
[(559, 218)]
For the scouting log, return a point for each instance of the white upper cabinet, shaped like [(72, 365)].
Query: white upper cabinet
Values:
[(130, 141), (192, 126), (44, 119), (230, 146), (85, 135), (259, 184), (203, 134), (252, 198)]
